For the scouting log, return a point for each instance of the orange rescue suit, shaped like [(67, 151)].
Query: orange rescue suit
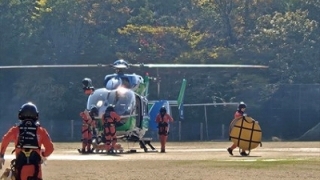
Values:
[(43, 139), (163, 126), (237, 116), (87, 130), (109, 123)]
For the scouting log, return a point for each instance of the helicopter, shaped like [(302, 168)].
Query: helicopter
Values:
[(128, 93)]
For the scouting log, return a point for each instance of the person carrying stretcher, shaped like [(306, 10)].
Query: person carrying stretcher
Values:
[(88, 129), (109, 120)]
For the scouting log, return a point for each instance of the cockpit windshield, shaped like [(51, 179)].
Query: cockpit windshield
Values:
[(122, 99)]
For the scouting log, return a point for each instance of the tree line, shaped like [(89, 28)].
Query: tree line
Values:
[(282, 34)]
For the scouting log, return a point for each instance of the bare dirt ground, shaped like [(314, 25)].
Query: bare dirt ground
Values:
[(187, 161)]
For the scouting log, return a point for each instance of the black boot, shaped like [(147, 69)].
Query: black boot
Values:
[(230, 151), (243, 153)]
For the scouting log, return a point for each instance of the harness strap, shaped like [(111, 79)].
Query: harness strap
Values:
[(108, 126), (24, 159), (163, 128), (85, 130)]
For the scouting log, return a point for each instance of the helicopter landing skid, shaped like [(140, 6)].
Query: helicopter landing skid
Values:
[(147, 141), (144, 143)]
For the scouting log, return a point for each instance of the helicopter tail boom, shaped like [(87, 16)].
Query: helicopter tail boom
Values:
[(181, 98), (154, 106)]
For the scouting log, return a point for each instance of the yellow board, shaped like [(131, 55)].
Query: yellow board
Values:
[(245, 133)]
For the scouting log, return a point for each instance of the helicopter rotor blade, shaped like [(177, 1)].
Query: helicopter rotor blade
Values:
[(137, 65), (198, 66), (56, 66)]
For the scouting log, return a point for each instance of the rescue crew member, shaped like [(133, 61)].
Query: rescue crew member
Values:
[(237, 116), (109, 120), (94, 113), (28, 137), (88, 129), (163, 120), (87, 86)]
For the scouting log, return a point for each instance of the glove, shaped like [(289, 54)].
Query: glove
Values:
[(43, 159), (1, 162), (82, 115)]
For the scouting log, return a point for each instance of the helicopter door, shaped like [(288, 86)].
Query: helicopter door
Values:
[(139, 111)]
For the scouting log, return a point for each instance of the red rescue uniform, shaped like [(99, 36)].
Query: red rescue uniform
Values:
[(43, 140)]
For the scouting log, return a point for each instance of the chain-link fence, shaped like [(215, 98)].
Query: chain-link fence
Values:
[(284, 111)]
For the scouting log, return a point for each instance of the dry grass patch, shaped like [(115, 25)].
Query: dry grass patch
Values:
[(185, 170)]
